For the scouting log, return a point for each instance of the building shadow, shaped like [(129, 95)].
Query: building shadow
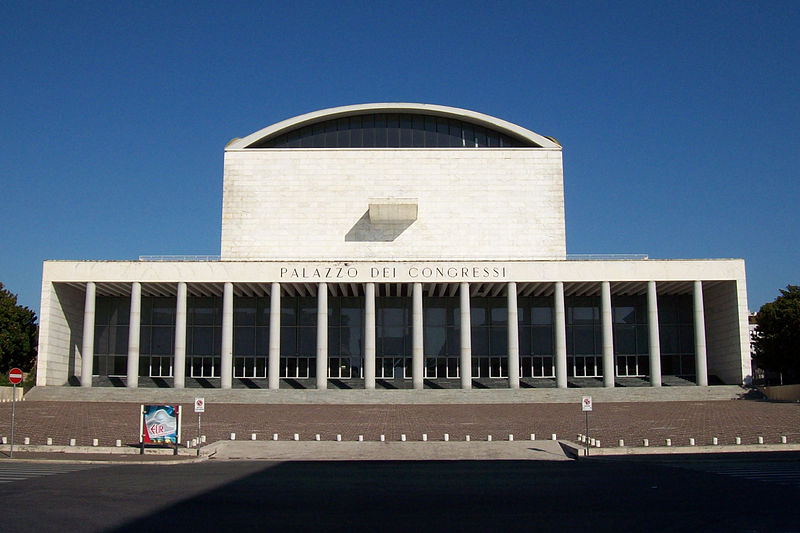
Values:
[(366, 231)]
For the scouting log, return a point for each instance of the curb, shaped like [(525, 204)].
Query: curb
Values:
[(578, 450)]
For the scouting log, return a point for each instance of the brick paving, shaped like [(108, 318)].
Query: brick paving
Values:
[(609, 422)]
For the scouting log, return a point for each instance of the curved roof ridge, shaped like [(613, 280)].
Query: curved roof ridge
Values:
[(394, 107)]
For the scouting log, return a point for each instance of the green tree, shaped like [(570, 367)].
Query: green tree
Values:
[(778, 334), (19, 334)]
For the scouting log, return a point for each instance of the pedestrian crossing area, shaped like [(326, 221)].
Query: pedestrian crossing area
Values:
[(779, 472), (10, 472)]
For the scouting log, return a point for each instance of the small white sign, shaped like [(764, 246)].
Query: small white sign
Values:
[(586, 403), (199, 405)]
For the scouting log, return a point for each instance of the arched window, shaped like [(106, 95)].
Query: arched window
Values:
[(392, 130)]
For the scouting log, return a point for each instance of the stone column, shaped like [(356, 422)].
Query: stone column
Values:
[(274, 370), (417, 350), (513, 336), (560, 327), (322, 336), (466, 338), (652, 327), (226, 372), (608, 335), (701, 361), (179, 363), (87, 346), (369, 336), (133, 335)]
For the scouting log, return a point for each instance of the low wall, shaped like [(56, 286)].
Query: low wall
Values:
[(783, 392), (6, 392)]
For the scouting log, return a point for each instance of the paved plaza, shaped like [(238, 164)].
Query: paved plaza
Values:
[(609, 422)]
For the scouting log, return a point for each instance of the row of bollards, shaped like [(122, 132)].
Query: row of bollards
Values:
[(72, 442), (714, 441), (583, 439), (403, 438)]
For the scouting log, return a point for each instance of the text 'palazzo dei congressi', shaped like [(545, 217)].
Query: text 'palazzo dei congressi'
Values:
[(393, 246)]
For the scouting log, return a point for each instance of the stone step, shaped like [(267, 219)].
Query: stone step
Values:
[(389, 396)]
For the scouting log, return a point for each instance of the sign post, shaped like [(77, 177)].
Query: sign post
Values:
[(586, 406), (199, 408), (15, 377)]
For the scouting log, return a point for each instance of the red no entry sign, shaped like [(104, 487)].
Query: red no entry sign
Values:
[(15, 376)]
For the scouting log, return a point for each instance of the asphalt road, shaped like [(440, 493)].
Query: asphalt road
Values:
[(694, 493)]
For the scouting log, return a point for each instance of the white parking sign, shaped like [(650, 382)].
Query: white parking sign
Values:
[(199, 405), (586, 403)]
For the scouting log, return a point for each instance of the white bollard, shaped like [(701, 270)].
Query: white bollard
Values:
[(118, 443), (446, 437), (203, 439), (361, 438), (403, 437), (621, 443), (27, 440), (50, 441), (274, 436), (668, 442), (533, 436), (553, 437), (424, 437), (488, 438), (233, 436), (5, 440), (194, 443), (296, 436), (645, 442), (317, 437), (715, 441), (597, 444), (466, 438), (691, 441), (338, 437), (252, 436), (784, 440), (73, 442), (761, 440), (95, 442), (510, 437), (383, 438), (738, 440)]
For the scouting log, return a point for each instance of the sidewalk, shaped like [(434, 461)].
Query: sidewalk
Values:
[(609, 422)]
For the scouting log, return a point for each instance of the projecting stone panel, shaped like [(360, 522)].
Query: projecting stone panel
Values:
[(303, 204)]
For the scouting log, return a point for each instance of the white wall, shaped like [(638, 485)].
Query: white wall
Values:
[(472, 203)]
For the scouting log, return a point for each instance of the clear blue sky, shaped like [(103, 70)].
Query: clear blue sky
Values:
[(679, 120)]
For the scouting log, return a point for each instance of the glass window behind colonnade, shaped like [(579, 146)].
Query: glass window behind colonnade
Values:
[(584, 336), (536, 336), (441, 336), (631, 343), (489, 321), (676, 335), (298, 336), (111, 322), (393, 337), (157, 336), (203, 336), (251, 336), (345, 336)]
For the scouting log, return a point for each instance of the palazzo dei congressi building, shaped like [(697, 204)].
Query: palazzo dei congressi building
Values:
[(393, 246)]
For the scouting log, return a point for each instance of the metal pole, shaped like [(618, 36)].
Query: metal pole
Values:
[(198, 433), (587, 432), (13, 409)]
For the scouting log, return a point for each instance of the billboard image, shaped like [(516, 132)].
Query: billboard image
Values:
[(161, 424)]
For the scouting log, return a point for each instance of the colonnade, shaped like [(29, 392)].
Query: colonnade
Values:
[(418, 356)]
